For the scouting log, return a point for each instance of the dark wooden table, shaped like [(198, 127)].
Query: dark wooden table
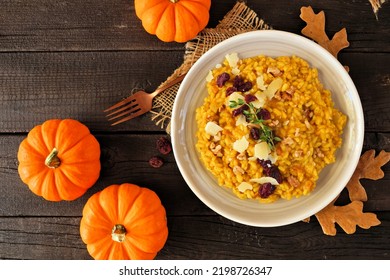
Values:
[(72, 59)]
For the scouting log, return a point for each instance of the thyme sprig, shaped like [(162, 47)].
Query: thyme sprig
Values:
[(252, 115)]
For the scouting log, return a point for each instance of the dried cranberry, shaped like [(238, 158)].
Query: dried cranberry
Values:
[(164, 145), (250, 98), (271, 170), (266, 190), (238, 81), (245, 86), (222, 79), (263, 114), (240, 85), (266, 165), (274, 172), (230, 90), (255, 133), (156, 162), (240, 110)]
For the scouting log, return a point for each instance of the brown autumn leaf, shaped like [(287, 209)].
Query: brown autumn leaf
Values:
[(347, 217), (352, 215), (315, 29), (369, 167), (376, 5)]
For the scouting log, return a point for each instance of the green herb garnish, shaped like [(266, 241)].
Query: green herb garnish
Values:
[(252, 116)]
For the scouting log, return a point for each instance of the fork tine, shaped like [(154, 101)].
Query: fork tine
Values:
[(119, 104), (133, 115), (131, 110), (123, 108)]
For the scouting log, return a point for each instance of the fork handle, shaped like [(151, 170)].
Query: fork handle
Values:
[(168, 84)]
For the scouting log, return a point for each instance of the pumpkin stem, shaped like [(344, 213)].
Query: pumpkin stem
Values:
[(118, 233), (174, 1), (52, 161)]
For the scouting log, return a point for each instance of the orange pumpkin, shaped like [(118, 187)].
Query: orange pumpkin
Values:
[(59, 159), (124, 222), (173, 20)]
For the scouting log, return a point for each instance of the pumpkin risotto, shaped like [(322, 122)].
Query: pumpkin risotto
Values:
[(267, 127)]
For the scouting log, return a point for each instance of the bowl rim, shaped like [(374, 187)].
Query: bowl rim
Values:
[(269, 34)]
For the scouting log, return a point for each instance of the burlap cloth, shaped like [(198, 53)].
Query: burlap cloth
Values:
[(238, 20)]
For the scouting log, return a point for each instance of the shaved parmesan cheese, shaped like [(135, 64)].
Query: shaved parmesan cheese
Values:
[(241, 145), (262, 150), (235, 71), (219, 65), (241, 120), (273, 87), (260, 82), (261, 97), (244, 186), (234, 97), (264, 180), (273, 157), (209, 77), (232, 59), (212, 128)]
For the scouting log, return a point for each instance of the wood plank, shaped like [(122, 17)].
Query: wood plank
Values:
[(80, 85), (208, 237), (41, 25), (125, 158), (369, 82), (112, 25), (35, 87)]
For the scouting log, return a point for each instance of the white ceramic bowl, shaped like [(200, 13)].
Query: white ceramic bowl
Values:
[(332, 179)]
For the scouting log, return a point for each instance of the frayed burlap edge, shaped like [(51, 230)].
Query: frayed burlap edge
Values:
[(238, 20)]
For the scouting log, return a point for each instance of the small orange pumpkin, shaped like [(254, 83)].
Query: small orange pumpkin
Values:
[(59, 159), (124, 222), (173, 20)]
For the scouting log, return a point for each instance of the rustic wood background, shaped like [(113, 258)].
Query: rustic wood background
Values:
[(72, 59)]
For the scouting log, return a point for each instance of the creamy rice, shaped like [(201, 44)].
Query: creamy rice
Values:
[(306, 127)]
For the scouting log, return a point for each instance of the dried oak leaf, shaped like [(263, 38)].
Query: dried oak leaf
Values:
[(347, 217), (376, 5), (369, 167), (351, 215), (315, 29)]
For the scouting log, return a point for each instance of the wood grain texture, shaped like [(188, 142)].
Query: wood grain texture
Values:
[(124, 158), (72, 59), (206, 237), (71, 25), (80, 85)]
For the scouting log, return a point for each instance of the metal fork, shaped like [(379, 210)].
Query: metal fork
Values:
[(136, 104)]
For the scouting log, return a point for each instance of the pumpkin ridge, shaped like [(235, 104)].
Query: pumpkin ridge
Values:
[(140, 222), (31, 179), (93, 210), (66, 189), (124, 206), (166, 29), (48, 192), (151, 18), (154, 242), (100, 248), (49, 131), (36, 132), (82, 138), (191, 13), (133, 249), (147, 5), (145, 195), (199, 5)]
